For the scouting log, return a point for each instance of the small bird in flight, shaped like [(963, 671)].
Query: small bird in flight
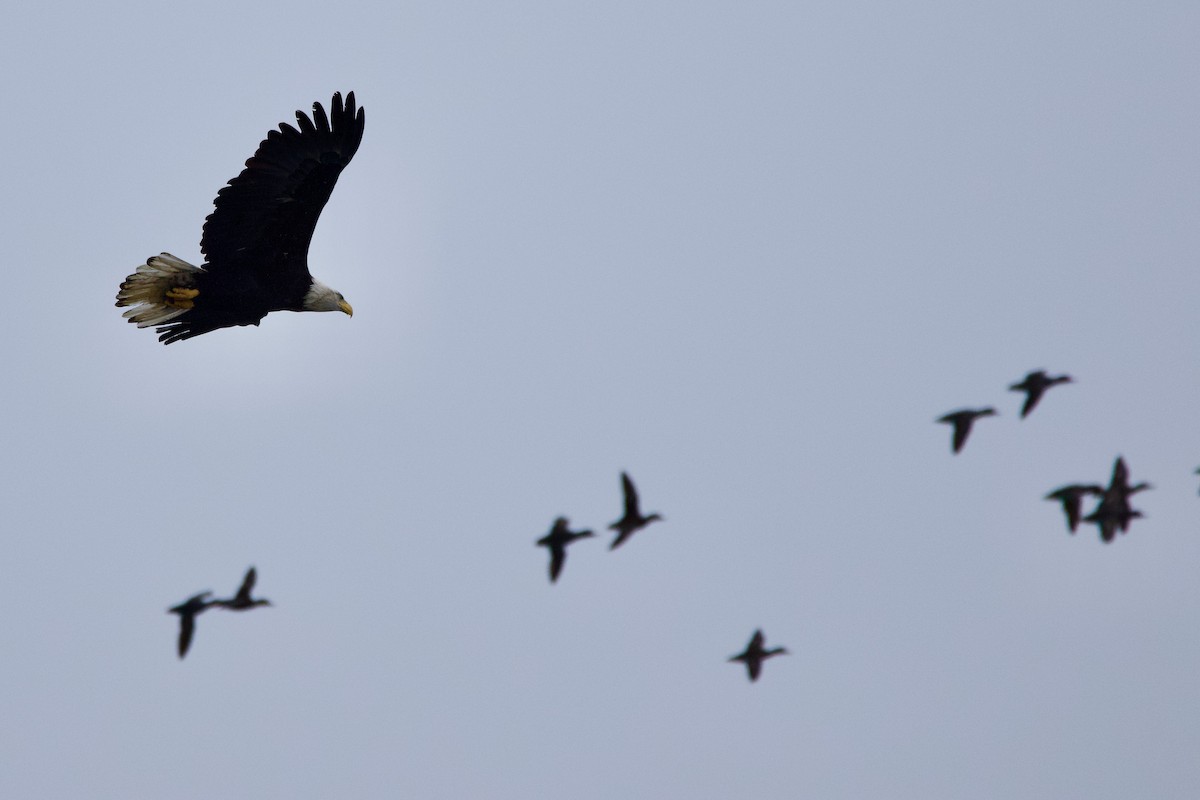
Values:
[(187, 611), (755, 654), (633, 520), (962, 421), (1034, 386), (1071, 497), (1114, 513), (556, 542), (242, 600)]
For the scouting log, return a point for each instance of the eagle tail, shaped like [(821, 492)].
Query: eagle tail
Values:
[(162, 289)]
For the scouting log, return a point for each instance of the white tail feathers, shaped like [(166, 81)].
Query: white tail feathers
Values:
[(162, 289)]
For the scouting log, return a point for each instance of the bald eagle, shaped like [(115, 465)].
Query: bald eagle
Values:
[(255, 243)]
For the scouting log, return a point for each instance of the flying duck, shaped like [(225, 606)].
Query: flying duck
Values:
[(1071, 497), (242, 600), (633, 520), (1034, 386), (187, 611), (962, 421), (755, 654), (556, 542), (1114, 513)]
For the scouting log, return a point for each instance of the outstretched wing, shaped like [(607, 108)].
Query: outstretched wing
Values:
[(1120, 474), (1032, 395), (962, 429), (187, 626), (243, 592), (558, 555), (631, 496), (265, 217)]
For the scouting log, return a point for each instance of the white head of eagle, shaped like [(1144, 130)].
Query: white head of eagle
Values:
[(255, 242), (321, 298)]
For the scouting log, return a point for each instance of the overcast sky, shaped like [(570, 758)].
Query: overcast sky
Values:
[(747, 252)]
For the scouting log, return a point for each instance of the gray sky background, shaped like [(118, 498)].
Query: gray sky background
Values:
[(746, 251)]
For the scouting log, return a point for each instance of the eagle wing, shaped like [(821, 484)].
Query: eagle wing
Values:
[(265, 217)]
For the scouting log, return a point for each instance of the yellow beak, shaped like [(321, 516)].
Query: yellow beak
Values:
[(345, 307)]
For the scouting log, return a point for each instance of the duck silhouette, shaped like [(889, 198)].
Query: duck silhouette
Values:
[(633, 520), (1118, 484), (1071, 497), (1114, 513), (1034, 386), (187, 611), (242, 600), (755, 654), (1112, 519), (556, 542), (962, 420)]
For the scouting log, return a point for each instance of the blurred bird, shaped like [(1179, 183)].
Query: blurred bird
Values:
[(1111, 519), (633, 520), (1071, 497), (187, 611), (556, 542), (755, 654), (1119, 489), (1114, 513), (962, 421), (242, 600), (1034, 386)]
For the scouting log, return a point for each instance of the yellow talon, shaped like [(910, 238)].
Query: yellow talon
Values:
[(180, 297)]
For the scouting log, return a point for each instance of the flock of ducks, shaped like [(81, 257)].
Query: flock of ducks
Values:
[(632, 521), (556, 541), (1034, 386), (1112, 513), (189, 609)]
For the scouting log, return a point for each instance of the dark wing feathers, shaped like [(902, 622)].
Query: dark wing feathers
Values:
[(962, 429), (265, 217), (243, 592), (319, 112), (187, 626), (631, 496), (558, 555), (1032, 396)]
